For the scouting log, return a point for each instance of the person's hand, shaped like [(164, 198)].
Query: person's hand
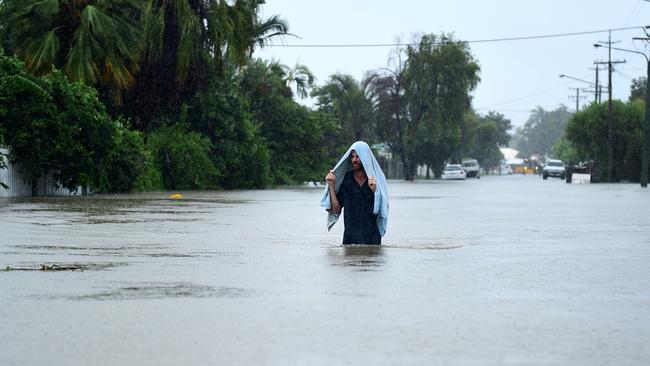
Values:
[(372, 183), (331, 178)]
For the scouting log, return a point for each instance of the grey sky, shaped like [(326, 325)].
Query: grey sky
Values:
[(516, 76)]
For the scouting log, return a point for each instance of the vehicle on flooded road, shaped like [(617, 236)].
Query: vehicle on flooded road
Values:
[(553, 168), (453, 172), (471, 168)]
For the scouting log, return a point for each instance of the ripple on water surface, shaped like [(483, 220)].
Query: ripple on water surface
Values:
[(143, 291)]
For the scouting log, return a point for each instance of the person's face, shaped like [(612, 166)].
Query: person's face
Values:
[(356, 161)]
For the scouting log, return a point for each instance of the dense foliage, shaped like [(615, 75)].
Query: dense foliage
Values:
[(638, 89), (183, 158), (482, 137), (127, 162), (97, 42), (54, 126), (421, 103), (542, 130), (588, 130), (238, 152), (166, 95)]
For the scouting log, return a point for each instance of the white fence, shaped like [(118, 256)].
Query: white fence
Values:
[(18, 187)]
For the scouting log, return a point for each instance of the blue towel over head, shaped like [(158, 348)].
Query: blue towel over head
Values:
[(372, 169)]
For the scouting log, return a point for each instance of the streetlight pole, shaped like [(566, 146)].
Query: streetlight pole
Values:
[(646, 126), (595, 86), (571, 77), (598, 88), (610, 131)]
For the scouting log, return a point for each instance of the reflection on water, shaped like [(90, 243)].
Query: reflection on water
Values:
[(141, 250), (360, 258)]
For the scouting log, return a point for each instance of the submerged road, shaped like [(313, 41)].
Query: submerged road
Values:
[(502, 270)]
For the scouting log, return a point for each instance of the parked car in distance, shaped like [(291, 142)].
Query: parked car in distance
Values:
[(471, 168), (553, 168), (505, 169), (453, 171)]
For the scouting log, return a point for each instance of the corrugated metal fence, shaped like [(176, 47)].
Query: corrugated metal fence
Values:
[(18, 187)]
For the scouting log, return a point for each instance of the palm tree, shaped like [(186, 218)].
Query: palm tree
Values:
[(301, 77), (97, 42), (187, 39), (351, 102)]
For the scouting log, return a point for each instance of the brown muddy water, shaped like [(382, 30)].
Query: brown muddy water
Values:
[(502, 270)]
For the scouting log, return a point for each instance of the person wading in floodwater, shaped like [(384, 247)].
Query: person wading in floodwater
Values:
[(357, 186)]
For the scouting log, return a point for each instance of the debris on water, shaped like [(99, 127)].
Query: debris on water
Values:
[(65, 267), (56, 267), (45, 267), (176, 196)]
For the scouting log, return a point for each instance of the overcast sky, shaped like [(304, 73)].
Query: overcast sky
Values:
[(516, 76)]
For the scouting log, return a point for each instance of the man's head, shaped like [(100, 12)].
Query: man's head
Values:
[(356, 161)]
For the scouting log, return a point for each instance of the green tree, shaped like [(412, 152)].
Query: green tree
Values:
[(183, 158), (97, 42), (542, 130), (294, 135), (86, 137), (127, 162), (482, 137), (349, 101), (25, 110), (638, 89), (421, 104), (188, 41), (300, 77), (53, 125), (564, 150), (238, 152), (588, 130)]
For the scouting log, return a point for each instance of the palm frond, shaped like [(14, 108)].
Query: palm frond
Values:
[(41, 54), (81, 64), (264, 32), (99, 23)]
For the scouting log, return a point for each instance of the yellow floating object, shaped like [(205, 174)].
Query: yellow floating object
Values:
[(176, 196)]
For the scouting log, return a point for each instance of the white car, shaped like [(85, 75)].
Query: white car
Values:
[(505, 169), (453, 171), (553, 168)]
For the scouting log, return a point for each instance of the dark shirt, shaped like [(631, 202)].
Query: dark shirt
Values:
[(357, 203)]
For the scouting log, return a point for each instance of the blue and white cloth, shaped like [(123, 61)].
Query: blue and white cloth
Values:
[(372, 169)]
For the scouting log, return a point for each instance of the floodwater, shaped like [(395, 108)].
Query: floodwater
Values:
[(502, 270)]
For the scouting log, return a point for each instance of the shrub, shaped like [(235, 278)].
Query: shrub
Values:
[(183, 158)]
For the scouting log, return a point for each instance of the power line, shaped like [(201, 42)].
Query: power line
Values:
[(520, 98), (474, 41)]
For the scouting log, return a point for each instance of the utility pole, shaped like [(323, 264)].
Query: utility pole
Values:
[(646, 130), (610, 132), (597, 86), (577, 97), (645, 151)]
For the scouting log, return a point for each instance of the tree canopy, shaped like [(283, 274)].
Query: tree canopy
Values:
[(588, 130), (54, 125), (421, 103), (542, 130)]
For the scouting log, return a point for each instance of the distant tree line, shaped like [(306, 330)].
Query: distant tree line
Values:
[(149, 95)]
